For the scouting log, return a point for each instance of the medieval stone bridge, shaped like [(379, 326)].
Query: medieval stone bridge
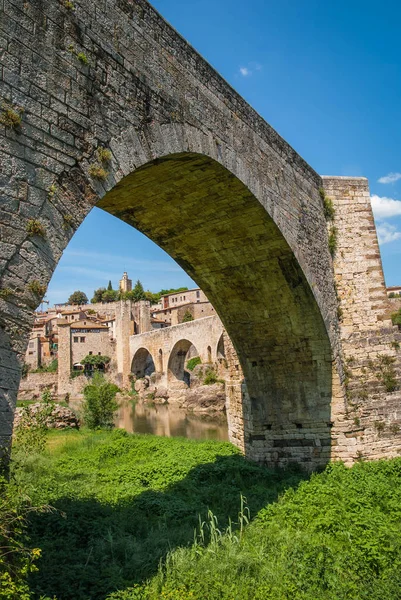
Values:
[(103, 103), (166, 349)]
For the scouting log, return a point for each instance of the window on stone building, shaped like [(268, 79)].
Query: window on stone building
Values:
[(82, 340), (99, 354), (198, 294), (90, 353), (31, 344), (76, 340)]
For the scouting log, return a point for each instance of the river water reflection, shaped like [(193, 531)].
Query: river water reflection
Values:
[(170, 421)]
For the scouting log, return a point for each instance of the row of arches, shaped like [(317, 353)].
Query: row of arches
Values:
[(145, 363)]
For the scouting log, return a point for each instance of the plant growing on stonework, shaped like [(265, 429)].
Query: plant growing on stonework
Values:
[(187, 317), (37, 288), (98, 172), (192, 362), (95, 360), (5, 293), (396, 318), (10, 117), (211, 377), (386, 372), (52, 190), (81, 56), (35, 227), (103, 154), (333, 240), (68, 221), (69, 5), (100, 404)]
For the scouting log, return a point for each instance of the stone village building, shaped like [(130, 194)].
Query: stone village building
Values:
[(69, 333)]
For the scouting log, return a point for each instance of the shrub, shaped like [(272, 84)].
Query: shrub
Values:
[(37, 288), (333, 240), (386, 372), (35, 227), (50, 368), (100, 404), (192, 362), (187, 317), (5, 293), (31, 432), (98, 172), (95, 360), (11, 117), (211, 378), (17, 560), (81, 56), (396, 318), (103, 154)]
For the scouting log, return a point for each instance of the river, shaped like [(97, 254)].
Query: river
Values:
[(169, 421)]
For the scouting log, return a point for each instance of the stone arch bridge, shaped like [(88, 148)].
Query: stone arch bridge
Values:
[(167, 348), (104, 104)]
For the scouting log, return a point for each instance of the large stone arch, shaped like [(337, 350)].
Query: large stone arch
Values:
[(197, 170), (176, 371), (143, 363)]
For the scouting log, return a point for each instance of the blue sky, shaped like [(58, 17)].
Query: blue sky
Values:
[(325, 75)]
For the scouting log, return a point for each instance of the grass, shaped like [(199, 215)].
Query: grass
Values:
[(128, 506)]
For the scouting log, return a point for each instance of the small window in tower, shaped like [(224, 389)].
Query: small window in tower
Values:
[(82, 340), (76, 340)]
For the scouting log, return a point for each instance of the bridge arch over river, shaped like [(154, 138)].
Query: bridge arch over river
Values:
[(189, 163)]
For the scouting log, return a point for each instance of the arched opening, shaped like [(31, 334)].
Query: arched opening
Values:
[(223, 236), (142, 364), (160, 357), (182, 351), (221, 351), (209, 354)]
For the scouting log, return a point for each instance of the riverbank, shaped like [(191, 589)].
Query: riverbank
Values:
[(126, 502)]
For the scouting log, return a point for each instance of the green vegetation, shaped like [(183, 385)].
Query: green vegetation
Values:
[(100, 406), (37, 288), (52, 191), (5, 293), (98, 172), (103, 154), (95, 360), (52, 367), (333, 240), (211, 377), (81, 56), (192, 362), (123, 503), (187, 317), (78, 298), (396, 318), (35, 227), (31, 433), (68, 221), (69, 5), (10, 117), (386, 372)]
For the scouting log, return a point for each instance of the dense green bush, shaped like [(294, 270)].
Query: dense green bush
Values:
[(99, 406), (192, 362), (52, 367), (396, 318)]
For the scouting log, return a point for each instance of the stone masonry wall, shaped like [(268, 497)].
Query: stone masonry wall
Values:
[(368, 420)]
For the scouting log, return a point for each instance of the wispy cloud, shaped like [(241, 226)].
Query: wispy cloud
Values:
[(384, 208), (247, 71), (387, 233), (390, 178)]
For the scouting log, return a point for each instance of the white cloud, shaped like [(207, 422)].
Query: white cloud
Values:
[(250, 69), (245, 72), (387, 233), (383, 207), (390, 178)]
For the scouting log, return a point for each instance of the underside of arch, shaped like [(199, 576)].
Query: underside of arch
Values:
[(215, 228)]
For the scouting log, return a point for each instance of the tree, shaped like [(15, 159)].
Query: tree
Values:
[(109, 287), (100, 403), (138, 292), (78, 298), (187, 317), (98, 295), (109, 296)]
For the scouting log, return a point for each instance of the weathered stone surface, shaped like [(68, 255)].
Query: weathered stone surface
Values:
[(61, 417)]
